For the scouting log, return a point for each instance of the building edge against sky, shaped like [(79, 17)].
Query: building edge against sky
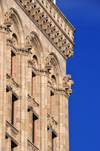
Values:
[(36, 39), (54, 1)]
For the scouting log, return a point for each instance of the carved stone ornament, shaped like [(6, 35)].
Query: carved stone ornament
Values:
[(67, 83), (29, 39), (2, 28), (7, 18), (71, 52), (50, 60)]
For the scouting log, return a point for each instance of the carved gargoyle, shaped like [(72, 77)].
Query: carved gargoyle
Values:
[(67, 83)]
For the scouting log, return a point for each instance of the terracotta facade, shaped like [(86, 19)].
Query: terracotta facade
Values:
[(35, 41)]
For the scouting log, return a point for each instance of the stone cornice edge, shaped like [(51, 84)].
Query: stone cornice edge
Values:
[(40, 28)]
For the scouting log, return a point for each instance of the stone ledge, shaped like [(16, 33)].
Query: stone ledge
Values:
[(12, 127), (52, 123), (9, 136), (11, 132), (12, 85), (33, 106), (32, 145)]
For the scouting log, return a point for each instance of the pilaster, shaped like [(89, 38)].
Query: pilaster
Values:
[(64, 134), (43, 114), (2, 87), (49, 134), (23, 102)]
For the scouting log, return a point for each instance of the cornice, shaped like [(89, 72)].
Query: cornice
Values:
[(61, 14), (56, 22), (43, 31)]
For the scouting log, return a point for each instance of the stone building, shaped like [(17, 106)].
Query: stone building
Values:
[(35, 41)]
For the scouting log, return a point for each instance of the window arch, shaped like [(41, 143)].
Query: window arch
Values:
[(37, 51)]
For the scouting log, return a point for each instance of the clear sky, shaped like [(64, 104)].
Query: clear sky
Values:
[(84, 66)]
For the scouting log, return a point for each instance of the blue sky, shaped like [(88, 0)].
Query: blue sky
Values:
[(84, 66)]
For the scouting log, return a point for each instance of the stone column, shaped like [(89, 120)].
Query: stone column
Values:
[(56, 107), (8, 59), (30, 125), (43, 113), (2, 87), (21, 117), (49, 134), (18, 114), (23, 102), (37, 99), (48, 100), (8, 144), (64, 136), (9, 105)]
